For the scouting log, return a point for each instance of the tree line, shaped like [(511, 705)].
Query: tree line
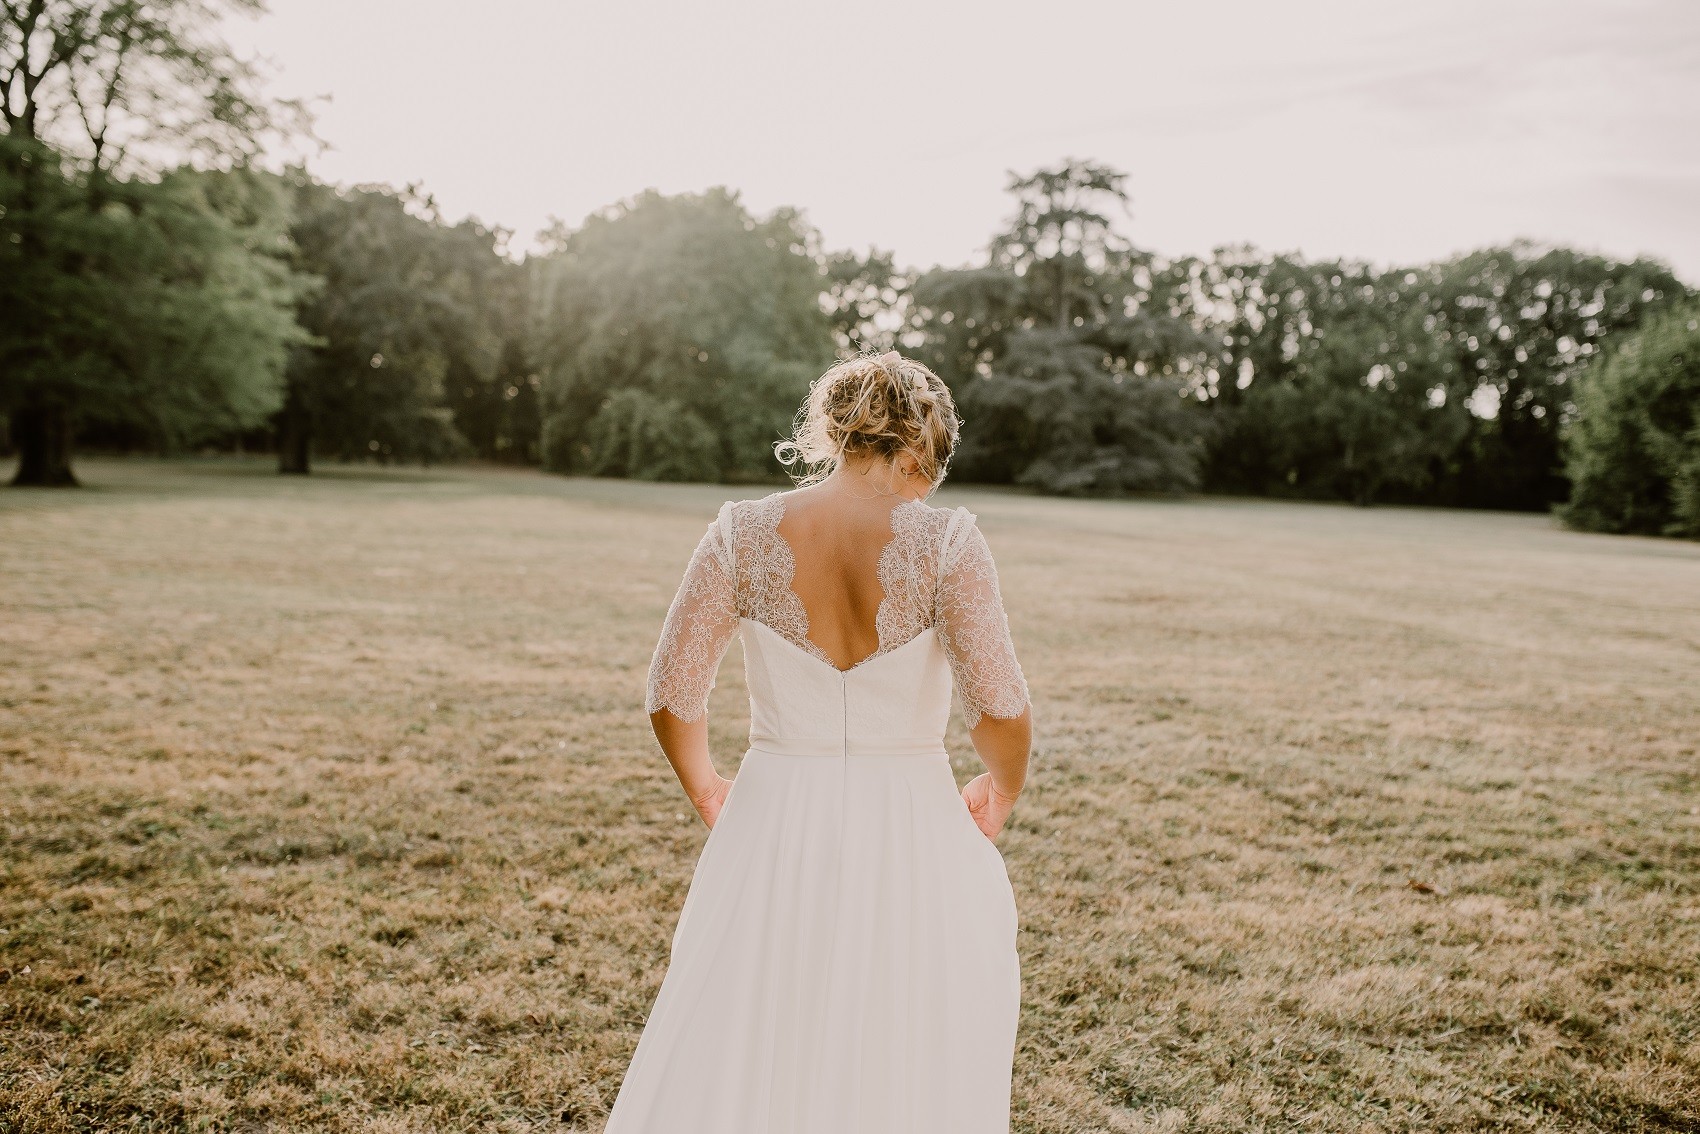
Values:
[(158, 291)]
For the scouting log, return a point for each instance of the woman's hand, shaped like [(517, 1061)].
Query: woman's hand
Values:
[(708, 804), (989, 806)]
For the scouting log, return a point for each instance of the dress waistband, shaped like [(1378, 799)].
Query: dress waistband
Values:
[(855, 746)]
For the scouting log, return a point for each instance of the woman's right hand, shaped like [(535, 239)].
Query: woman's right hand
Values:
[(709, 804)]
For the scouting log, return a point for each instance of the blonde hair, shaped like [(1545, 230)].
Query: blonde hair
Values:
[(873, 406)]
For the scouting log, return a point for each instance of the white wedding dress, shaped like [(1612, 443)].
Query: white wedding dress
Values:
[(845, 960)]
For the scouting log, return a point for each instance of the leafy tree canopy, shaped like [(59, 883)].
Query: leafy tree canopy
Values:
[(406, 305), (715, 317), (127, 86), (1068, 367), (1634, 451), (1480, 351), (167, 307), (156, 300)]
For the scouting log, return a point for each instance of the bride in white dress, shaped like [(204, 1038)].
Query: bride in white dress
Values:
[(845, 960)]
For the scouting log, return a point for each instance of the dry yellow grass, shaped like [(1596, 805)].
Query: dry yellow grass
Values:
[(330, 805)]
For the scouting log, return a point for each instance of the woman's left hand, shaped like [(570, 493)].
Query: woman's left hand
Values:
[(709, 804), (989, 806)]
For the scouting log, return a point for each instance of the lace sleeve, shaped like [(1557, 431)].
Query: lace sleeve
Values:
[(699, 626), (974, 630)]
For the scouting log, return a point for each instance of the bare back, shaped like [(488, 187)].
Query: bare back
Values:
[(837, 541)]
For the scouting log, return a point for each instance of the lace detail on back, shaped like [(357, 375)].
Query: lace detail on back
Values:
[(908, 573), (765, 571), (744, 568)]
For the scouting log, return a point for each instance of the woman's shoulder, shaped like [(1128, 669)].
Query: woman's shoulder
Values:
[(743, 510), (745, 505), (942, 519), (741, 521), (939, 531)]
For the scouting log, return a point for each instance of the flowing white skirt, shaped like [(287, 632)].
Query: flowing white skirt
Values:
[(844, 964)]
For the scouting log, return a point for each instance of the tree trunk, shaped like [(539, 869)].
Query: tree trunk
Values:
[(42, 434), (294, 436)]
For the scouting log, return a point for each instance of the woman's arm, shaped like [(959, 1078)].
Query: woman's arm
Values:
[(686, 746), (1004, 747), (699, 626), (974, 631)]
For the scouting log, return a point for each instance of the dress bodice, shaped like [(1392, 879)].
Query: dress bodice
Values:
[(895, 702), (940, 622)]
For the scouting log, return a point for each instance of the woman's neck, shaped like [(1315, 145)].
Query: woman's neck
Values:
[(868, 479)]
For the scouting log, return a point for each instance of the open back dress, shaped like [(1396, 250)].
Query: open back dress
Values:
[(845, 960)]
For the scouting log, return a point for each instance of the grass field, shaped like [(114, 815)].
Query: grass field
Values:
[(330, 805)]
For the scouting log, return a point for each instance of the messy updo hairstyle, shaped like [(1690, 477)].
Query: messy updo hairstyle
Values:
[(872, 406)]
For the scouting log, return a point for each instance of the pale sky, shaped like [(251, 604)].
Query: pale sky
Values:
[(1390, 131)]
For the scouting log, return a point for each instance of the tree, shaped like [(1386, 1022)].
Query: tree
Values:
[(407, 304), (1517, 323), (1445, 383), (500, 411), (168, 308), (710, 315), (868, 301), (644, 437), (115, 263), (1633, 452), (120, 85), (1071, 375), (1337, 387)]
